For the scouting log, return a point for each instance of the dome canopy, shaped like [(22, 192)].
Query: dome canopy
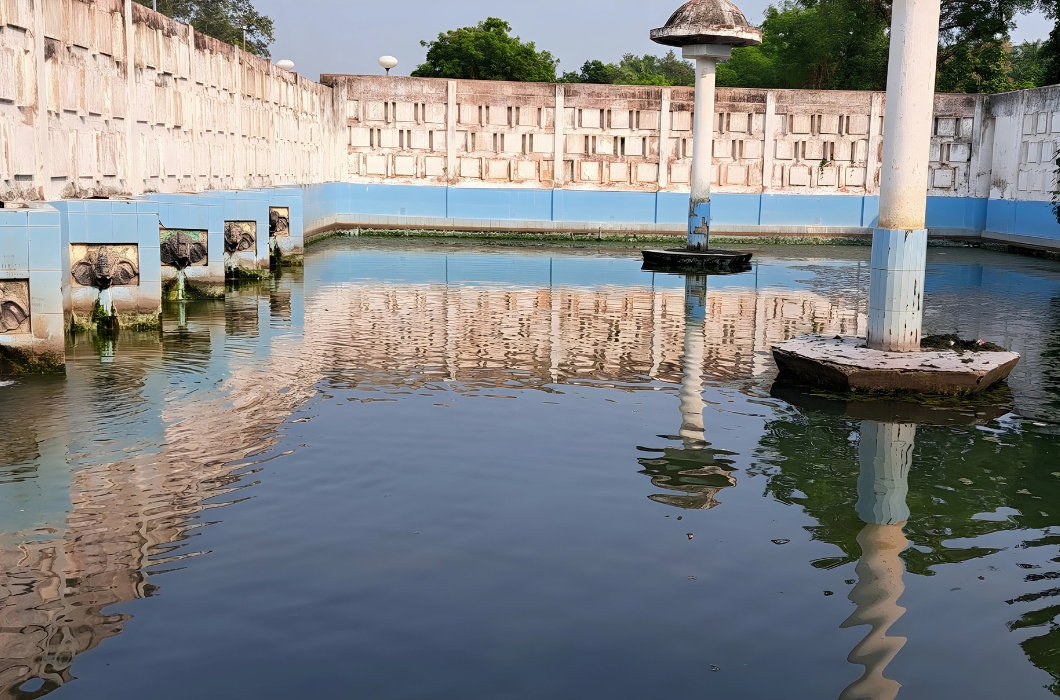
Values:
[(708, 22)]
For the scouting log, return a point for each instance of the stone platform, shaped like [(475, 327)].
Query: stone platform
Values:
[(846, 364), (683, 260)]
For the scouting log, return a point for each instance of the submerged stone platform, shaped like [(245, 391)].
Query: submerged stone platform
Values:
[(684, 260), (847, 364)]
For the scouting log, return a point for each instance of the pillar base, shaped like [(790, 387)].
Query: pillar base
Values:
[(684, 260), (896, 289), (847, 364)]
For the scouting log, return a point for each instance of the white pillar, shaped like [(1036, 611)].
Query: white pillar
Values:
[(899, 244), (702, 151)]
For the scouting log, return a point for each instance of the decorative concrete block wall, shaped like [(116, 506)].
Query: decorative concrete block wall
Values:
[(107, 97), (31, 290), (115, 239)]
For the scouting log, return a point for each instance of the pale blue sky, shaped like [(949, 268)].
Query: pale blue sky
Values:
[(344, 36)]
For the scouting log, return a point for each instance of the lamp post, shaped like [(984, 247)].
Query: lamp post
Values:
[(388, 62), (706, 31)]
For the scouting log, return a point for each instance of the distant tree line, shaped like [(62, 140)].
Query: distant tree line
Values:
[(812, 44), (222, 19)]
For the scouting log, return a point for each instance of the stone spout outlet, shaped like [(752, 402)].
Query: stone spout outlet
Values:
[(181, 251)]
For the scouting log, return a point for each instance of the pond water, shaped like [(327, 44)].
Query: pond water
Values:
[(439, 470)]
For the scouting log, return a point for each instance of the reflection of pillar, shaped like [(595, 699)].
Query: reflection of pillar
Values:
[(692, 403), (899, 244), (885, 454)]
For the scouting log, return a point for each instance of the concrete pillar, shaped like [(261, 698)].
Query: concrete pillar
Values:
[(885, 455), (559, 123), (664, 139), (896, 292), (691, 394), (702, 152), (451, 118)]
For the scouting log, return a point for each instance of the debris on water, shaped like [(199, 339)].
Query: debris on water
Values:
[(690, 535), (780, 541), (303, 445), (691, 578), (680, 517), (714, 668), (982, 578), (828, 593), (850, 582), (955, 589), (966, 482), (1024, 492)]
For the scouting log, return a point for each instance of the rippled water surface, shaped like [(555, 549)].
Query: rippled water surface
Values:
[(435, 470)]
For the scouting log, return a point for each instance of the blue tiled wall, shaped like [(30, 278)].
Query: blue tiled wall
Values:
[(605, 207), (31, 249), (1023, 219)]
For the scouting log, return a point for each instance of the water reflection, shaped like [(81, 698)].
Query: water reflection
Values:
[(111, 474), (885, 454), (694, 471)]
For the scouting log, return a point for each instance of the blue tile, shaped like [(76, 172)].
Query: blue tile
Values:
[(77, 227), (125, 228), (45, 248), (14, 248), (100, 228)]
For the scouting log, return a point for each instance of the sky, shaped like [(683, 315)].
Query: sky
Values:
[(349, 36)]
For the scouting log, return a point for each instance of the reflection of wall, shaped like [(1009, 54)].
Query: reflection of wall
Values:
[(128, 514), (474, 333)]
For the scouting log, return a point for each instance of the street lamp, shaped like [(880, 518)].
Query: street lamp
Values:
[(285, 64), (388, 62)]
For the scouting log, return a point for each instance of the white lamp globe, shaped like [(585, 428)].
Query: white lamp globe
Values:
[(285, 64), (388, 62)]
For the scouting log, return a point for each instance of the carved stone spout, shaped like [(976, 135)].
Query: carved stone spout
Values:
[(180, 250), (12, 316), (103, 268), (240, 236)]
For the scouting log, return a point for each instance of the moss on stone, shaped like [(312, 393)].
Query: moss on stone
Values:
[(18, 361)]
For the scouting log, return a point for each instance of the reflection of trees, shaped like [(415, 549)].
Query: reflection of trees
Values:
[(1051, 368), (811, 453), (961, 471)]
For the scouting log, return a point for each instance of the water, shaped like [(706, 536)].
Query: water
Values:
[(448, 471)]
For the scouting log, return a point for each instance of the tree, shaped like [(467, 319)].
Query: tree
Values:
[(486, 52), (636, 70), (843, 44), (974, 49), (1027, 70), (224, 20), (816, 44)]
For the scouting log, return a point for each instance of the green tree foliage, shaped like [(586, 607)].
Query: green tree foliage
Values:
[(222, 19), (815, 44), (843, 44), (974, 50), (486, 52), (636, 70), (1027, 70)]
